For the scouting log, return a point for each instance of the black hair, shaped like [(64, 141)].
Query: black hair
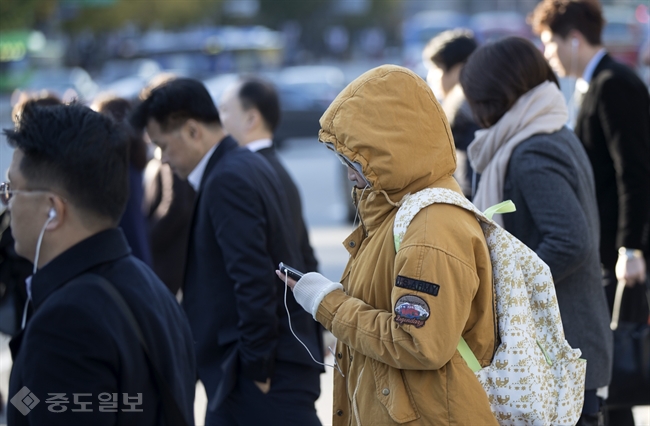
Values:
[(450, 48), (75, 150), (261, 95), (43, 99), (498, 73), (174, 102)]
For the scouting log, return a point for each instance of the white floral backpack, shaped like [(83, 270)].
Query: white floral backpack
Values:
[(535, 377)]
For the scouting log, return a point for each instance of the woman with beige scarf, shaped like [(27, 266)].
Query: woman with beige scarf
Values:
[(526, 154)]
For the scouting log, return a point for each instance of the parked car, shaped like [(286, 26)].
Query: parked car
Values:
[(623, 34), (305, 93)]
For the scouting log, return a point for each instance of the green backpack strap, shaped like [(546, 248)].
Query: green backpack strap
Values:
[(504, 207), (468, 355), (414, 203)]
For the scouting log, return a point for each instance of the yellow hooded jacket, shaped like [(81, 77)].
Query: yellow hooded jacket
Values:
[(400, 316)]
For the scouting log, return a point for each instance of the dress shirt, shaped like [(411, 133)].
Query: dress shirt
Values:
[(259, 144), (194, 178)]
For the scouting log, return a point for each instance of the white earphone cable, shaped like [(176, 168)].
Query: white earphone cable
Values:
[(336, 365)]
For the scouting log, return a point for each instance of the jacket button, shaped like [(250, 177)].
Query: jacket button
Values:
[(385, 392), (352, 244), (339, 413), (340, 355)]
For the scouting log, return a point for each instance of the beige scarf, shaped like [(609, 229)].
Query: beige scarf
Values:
[(540, 110)]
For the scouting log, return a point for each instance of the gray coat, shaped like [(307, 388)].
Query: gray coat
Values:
[(551, 182)]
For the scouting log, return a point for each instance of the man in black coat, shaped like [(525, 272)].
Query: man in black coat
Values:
[(250, 113), (613, 124), (79, 358), (253, 368), (445, 56)]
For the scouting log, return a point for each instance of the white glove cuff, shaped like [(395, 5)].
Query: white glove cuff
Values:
[(311, 289)]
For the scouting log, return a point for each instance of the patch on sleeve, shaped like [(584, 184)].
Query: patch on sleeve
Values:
[(417, 285), (411, 309)]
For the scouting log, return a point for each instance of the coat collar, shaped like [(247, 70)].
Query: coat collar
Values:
[(227, 144), (603, 64), (105, 246)]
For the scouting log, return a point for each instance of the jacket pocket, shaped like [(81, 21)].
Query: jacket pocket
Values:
[(393, 393)]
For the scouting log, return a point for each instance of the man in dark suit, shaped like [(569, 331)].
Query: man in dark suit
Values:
[(250, 113), (253, 368), (80, 358), (613, 124)]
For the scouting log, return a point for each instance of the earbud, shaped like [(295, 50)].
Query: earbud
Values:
[(52, 213), (574, 42)]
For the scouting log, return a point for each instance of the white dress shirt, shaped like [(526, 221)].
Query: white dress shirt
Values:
[(195, 177), (259, 144)]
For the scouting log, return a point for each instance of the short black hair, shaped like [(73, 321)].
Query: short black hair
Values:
[(44, 98), (174, 102), (498, 73), (450, 48), (76, 150), (260, 94)]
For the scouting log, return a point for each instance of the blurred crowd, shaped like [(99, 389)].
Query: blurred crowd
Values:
[(143, 234)]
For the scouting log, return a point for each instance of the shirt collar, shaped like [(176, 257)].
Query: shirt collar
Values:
[(259, 144), (194, 178), (588, 74)]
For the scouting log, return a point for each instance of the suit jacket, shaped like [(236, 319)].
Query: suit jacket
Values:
[(614, 126), (232, 297), (295, 207), (78, 341)]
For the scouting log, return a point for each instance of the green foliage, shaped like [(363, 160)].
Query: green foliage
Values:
[(144, 13), (22, 14)]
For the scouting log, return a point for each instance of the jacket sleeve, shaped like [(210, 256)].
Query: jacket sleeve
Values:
[(624, 116), (239, 219), (378, 334), (546, 177)]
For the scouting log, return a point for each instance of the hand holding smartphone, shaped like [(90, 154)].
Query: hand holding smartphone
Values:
[(292, 273)]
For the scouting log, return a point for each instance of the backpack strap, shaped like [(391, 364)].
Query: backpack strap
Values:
[(411, 206), (171, 410)]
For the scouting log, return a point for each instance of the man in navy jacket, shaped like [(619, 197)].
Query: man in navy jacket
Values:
[(79, 358), (253, 369)]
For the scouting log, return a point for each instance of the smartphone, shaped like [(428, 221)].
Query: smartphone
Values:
[(292, 273)]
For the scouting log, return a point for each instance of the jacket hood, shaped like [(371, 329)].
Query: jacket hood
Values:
[(389, 122)]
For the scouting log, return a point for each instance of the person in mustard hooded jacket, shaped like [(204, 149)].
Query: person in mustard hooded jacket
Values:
[(398, 317)]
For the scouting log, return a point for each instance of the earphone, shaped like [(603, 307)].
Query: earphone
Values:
[(574, 42), (51, 214)]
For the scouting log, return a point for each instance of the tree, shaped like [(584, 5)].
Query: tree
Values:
[(144, 13)]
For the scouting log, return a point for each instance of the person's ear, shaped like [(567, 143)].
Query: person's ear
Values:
[(191, 129), (575, 38), (56, 213)]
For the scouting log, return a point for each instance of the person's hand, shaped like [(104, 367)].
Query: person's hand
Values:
[(265, 387), (290, 282), (631, 268)]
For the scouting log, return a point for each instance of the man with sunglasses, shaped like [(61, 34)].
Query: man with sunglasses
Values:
[(102, 340)]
